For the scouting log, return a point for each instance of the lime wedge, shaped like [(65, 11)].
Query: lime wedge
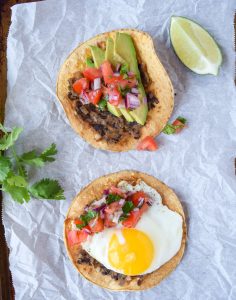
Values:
[(194, 46)]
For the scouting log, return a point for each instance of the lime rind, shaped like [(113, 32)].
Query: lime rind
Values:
[(189, 44)]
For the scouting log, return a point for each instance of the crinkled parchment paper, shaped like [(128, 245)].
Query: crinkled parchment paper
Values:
[(198, 163)]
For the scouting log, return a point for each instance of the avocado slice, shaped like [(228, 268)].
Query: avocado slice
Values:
[(89, 63), (124, 47), (127, 114), (114, 110), (110, 55), (98, 55)]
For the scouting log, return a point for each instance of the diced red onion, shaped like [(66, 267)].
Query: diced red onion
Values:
[(141, 200), (129, 193), (118, 67), (91, 224), (84, 98), (130, 73), (121, 202), (113, 97), (116, 74), (86, 230), (134, 90), (86, 208), (97, 83), (106, 192), (102, 215), (131, 101), (97, 209), (122, 104), (135, 209), (150, 202)]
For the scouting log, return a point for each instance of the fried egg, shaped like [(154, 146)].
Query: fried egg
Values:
[(141, 250)]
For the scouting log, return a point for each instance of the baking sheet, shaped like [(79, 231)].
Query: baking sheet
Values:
[(198, 163)]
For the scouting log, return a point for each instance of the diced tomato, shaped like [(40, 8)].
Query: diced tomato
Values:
[(80, 85), (131, 82), (114, 96), (135, 216), (148, 143), (108, 220), (96, 225), (144, 208), (78, 222), (116, 190), (107, 71), (94, 96), (111, 208), (136, 197), (178, 123), (76, 237), (132, 219), (92, 73)]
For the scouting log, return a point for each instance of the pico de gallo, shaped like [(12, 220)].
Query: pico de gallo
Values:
[(115, 207)]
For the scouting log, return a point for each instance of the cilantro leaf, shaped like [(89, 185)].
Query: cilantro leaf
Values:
[(50, 151), (16, 180), (128, 206), (112, 198), (3, 129), (86, 218), (16, 187), (124, 69), (102, 104), (5, 166), (182, 120), (23, 171), (123, 217), (169, 129), (32, 158), (9, 139), (47, 189)]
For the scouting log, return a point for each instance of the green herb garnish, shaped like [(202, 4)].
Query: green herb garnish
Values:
[(124, 69), (89, 62), (123, 217), (14, 175), (86, 218), (124, 91), (102, 104), (128, 206), (171, 129), (112, 198)]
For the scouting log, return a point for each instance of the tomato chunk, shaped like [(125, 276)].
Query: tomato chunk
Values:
[(96, 225), (111, 208), (107, 71), (148, 143), (114, 96), (178, 123), (80, 85), (78, 222), (94, 96), (132, 219), (76, 237), (136, 197), (108, 220), (92, 73)]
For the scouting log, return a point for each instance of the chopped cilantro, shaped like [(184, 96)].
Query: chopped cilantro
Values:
[(128, 206), (182, 120), (102, 104), (112, 198), (124, 69), (86, 218)]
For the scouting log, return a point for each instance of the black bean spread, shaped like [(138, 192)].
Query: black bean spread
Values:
[(86, 259)]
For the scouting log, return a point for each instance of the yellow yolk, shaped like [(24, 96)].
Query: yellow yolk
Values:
[(133, 254)]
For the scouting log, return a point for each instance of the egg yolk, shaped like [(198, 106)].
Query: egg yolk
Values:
[(131, 254)]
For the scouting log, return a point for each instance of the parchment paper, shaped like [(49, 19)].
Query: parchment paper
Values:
[(198, 163)]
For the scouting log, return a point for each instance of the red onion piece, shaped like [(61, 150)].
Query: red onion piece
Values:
[(141, 200), (97, 84), (116, 74), (118, 67), (134, 90), (121, 202), (131, 101), (106, 192), (97, 209), (135, 209), (86, 230), (84, 98), (130, 73)]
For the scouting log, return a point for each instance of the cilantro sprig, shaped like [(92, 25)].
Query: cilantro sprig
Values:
[(112, 198), (13, 170)]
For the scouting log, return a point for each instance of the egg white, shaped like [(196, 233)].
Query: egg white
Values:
[(159, 223)]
